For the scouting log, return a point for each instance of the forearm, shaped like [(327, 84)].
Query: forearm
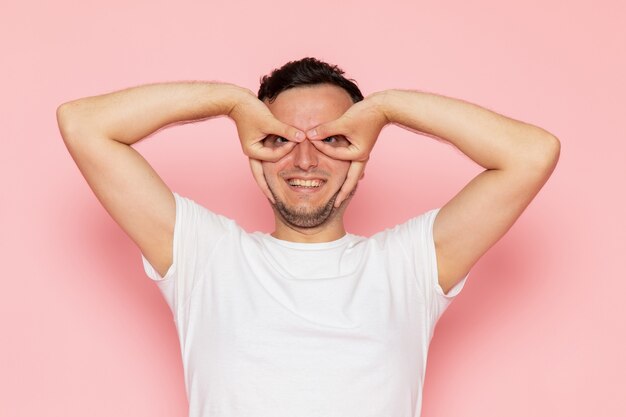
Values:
[(129, 115), (491, 140)]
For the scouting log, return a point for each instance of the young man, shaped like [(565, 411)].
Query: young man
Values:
[(309, 321)]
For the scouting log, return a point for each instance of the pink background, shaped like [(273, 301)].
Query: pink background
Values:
[(539, 330)]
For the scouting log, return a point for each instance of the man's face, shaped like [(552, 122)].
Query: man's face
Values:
[(305, 182)]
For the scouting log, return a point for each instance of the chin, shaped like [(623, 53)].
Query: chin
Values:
[(306, 217)]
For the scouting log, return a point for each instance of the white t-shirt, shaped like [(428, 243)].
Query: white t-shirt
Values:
[(270, 328)]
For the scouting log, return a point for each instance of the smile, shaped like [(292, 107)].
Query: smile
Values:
[(296, 182)]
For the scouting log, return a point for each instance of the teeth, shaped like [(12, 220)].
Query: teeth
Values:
[(305, 183)]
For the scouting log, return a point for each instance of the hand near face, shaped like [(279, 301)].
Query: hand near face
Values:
[(351, 137), (255, 122)]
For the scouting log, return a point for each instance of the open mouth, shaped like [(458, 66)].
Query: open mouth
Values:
[(305, 184)]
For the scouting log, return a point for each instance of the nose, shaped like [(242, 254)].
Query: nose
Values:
[(305, 155)]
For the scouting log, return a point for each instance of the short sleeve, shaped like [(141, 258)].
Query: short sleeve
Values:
[(426, 265), (197, 232), (415, 240)]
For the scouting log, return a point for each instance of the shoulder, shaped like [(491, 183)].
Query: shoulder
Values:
[(189, 212), (415, 230)]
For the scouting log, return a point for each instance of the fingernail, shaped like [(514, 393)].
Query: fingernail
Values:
[(299, 135), (312, 133)]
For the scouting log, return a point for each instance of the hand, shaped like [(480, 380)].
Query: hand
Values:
[(255, 122), (360, 125)]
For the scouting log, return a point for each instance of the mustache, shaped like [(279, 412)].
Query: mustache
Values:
[(310, 172)]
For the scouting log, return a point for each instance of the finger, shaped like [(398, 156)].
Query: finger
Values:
[(325, 130), (270, 154), (257, 171), (355, 173), (288, 132)]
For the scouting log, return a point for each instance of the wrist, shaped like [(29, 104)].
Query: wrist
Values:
[(380, 102), (225, 97)]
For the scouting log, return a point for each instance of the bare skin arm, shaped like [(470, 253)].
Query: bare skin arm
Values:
[(518, 159), (99, 131)]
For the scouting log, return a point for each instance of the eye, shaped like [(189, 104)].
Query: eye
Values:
[(337, 141), (274, 141)]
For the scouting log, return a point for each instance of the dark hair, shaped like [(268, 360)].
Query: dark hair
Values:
[(306, 72)]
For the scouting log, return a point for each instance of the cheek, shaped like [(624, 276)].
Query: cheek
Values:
[(270, 171), (342, 170)]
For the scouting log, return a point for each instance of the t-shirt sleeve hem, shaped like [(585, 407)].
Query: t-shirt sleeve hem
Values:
[(454, 291), (150, 271)]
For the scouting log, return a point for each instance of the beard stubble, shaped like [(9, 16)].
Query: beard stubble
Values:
[(303, 218)]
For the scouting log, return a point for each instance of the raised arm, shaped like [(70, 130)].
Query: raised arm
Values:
[(518, 159), (98, 132)]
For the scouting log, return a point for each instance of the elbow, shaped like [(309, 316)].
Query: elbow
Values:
[(545, 156), (64, 118), (551, 151), (63, 111), (67, 120), (538, 155)]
